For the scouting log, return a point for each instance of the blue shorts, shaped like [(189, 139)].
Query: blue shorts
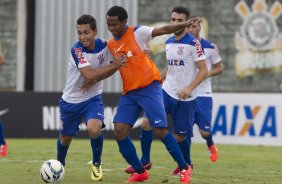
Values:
[(73, 114), (203, 113), (149, 99), (182, 113)]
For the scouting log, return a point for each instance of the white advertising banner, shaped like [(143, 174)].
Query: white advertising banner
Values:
[(246, 118)]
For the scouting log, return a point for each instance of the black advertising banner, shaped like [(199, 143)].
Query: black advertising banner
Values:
[(37, 115)]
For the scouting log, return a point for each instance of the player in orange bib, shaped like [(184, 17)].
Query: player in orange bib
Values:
[(141, 90)]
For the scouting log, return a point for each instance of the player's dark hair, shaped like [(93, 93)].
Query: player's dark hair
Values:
[(181, 9), (118, 11), (87, 19)]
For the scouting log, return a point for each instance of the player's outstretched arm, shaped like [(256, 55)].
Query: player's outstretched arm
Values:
[(171, 28)]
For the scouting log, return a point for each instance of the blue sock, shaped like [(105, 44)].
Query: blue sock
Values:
[(146, 138), (2, 137), (97, 148), (185, 149), (62, 152), (128, 151), (174, 150), (209, 140)]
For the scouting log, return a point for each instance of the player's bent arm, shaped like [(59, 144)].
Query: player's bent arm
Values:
[(171, 28), (163, 73), (201, 75), (2, 60), (216, 70), (97, 74)]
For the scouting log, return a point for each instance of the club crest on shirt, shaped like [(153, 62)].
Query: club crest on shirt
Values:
[(180, 50), (101, 58)]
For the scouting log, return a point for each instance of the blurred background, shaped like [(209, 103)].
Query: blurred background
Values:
[(36, 37)]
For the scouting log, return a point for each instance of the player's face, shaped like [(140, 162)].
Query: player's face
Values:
[(195, 29), (178, 18), (86, 35), (116, 27)]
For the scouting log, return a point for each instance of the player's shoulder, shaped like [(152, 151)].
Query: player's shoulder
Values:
[(207, 44), (100, 44), (77, 47), (141, 28), (188, 39)]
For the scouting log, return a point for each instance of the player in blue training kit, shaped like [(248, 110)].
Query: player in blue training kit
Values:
[(3, 143), (82, 100), (203, 114), (185, 70)]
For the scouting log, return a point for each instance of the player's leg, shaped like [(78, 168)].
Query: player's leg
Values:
[(127, 114), (3, 143), (183, 120), (146, 138), (153, 105), (71, 118), (182, 113), (94, 118), (203, 119)]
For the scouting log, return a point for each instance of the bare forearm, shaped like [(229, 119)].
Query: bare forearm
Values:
[(101, 73), (202, 75), (168, 29)]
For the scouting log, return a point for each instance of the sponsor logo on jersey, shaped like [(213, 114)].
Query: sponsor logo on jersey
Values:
[(198, 48), (175, 62), (79, 55)]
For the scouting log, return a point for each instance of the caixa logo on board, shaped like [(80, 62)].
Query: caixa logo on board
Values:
[(235, 120)]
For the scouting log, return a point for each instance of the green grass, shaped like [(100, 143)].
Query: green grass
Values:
[(236, 164)]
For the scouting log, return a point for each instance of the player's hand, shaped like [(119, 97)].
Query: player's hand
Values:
[(147, 52), (191, 21), (87, 85), (185, 93), (281, 87), (120, 61)]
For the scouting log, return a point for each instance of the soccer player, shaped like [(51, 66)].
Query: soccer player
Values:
[(203, 114), (87, 67), (141, 90), (3, 143), (185, 70)]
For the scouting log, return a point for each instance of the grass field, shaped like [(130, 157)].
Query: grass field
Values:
[(236, 164)]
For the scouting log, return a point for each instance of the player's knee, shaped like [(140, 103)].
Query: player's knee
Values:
[(160, 132), (65, 140), (94, 133), (204, 134), (179, 137), (145, 124), (94, 130), (121, 131)]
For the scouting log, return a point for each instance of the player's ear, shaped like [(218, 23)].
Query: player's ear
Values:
[(124, 22)]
